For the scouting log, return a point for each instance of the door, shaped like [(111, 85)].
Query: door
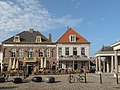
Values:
[(75, 65), (30, 68)]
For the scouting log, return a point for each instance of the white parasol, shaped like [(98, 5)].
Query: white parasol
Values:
[(10, 65), (13, 65), (17, 64)]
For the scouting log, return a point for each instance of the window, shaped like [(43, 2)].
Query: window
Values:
[(82, 51), (13, 52), (74, 50), (40, 52), (72, 38), (59, 51), (82, 64), (16, 39), (67, 51), (38, 39), (20, 53), (20, 65), (60, 64), (67, 65), (30, 53), (47, 52)]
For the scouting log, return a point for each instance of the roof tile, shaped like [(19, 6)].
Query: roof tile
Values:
[(70, 31)]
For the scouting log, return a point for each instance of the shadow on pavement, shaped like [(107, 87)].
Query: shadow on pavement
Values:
[(8, 88)]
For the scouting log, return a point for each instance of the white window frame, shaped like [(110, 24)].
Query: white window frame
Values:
[(30, 53), (60, 64), (20, 65), (67, 51), (20, 52), (72, 38), (47, 52), (83, 52), (40, 52), (13, 52), (75, 50), (59, 51)]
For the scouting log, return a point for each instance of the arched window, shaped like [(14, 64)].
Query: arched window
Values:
[(20, 52), (40, 52), (13, 52), (30, 52)]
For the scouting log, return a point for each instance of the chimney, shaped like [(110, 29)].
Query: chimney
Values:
[(31, 30), (50, 37)]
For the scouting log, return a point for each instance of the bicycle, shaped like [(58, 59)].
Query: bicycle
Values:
[(79, 78), (71, 79)]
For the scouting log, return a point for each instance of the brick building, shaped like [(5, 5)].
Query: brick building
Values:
[(31, 49)]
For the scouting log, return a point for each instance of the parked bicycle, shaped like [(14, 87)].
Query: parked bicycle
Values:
[(79, 78)]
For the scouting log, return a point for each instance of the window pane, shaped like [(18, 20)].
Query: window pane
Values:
[(30, 53), (47, 52), (59, 51), (60, 64), (40, 52), (72, 38), (74, 51), (82, 51), (20, 53), (67, 51), (13, 52)]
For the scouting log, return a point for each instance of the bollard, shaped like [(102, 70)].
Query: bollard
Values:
[(100, 78), (117, 78), (85, 77), (70, 77)]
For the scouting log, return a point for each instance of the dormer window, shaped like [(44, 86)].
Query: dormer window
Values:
[(38, 39), (72, 38), (16, 38)]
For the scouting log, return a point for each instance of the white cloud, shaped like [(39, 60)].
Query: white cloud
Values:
[(19, 15)]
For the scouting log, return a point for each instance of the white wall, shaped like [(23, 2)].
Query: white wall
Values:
[(87, 49), (1, 57), (116, 47)]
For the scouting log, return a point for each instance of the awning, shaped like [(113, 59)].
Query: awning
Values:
[(30, 60)]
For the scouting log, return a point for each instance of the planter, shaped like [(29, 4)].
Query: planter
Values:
[(2, 79), (37, 79), (17, 80), (49, 79)]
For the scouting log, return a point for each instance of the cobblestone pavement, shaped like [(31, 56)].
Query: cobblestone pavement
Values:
[(109, 83)]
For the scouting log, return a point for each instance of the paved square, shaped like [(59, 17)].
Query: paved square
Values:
[(109, 83)]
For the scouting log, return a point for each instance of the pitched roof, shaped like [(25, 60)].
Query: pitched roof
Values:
[(65, 37), (27, 37), (106, 48)]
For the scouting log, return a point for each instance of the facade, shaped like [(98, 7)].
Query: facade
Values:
[(73, 51), (108, 58), (30, 49)]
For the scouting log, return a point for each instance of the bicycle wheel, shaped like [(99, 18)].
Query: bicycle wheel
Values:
[(71, 79), (82, 79)]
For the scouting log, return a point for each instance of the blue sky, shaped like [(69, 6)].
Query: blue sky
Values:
[(96, 20)]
